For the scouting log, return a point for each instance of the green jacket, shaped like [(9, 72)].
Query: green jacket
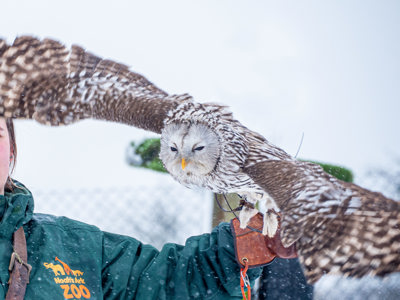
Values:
[(73, 260)]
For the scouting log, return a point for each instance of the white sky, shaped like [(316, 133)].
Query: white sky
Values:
[(328, 69)]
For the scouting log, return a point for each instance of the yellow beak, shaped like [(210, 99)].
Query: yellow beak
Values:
[(183, 164)]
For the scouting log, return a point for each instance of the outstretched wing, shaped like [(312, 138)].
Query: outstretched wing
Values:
[(338, 227), (45, 81)]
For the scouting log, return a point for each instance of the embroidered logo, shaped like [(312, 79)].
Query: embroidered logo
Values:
[(70, 281)]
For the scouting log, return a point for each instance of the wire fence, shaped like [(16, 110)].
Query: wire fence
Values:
[(152, 215)]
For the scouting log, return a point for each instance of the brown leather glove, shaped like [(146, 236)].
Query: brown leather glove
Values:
[(255, 247)]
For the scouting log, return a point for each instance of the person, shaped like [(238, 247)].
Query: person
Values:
[(73, 260)]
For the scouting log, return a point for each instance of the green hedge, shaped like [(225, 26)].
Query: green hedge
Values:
[(148, 151)]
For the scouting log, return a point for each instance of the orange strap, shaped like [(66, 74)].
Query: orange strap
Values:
[(244, 281)]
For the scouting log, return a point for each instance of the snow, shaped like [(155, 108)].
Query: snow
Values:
[(332, 287), (328, 70), (168, 213)]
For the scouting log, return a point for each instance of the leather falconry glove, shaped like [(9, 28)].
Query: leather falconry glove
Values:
[(255, 249)]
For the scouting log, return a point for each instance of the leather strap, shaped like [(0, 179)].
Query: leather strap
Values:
[(19, 268)]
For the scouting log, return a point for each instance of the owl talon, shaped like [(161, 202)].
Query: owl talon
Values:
[(270, 223), (245, 215)]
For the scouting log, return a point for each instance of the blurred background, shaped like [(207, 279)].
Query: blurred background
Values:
[(327, 69)]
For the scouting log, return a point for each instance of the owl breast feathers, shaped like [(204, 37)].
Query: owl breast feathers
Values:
[(337, 227)]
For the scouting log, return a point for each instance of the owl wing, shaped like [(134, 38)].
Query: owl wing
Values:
[(338, 227), (45, 81)]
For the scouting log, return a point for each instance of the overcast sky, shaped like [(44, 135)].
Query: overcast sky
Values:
[(328, 69)]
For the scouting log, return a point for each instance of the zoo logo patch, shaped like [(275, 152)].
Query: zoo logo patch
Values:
[(70, 281)]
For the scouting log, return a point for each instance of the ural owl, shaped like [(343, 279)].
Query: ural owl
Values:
[(338, 228), (46, 81)]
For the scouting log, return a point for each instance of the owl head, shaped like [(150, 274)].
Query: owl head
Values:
[(189, 150), (203, 146)]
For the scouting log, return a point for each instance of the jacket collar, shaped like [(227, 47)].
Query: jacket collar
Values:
[(16, 209)]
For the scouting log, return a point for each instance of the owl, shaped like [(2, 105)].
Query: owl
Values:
[(54, 85), (337, 227)]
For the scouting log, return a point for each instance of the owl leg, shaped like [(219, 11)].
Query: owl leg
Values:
[(269, 208), (248, 210)]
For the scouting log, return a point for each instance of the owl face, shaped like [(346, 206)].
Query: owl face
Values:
[(189, 150)]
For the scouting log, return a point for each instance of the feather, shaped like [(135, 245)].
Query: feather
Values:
[(45, 81), (338, 227)]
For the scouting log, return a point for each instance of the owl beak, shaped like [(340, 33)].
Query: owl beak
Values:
[(183, 164)]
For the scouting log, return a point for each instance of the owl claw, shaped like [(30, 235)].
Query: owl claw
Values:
[(271, 221), (270, 224), (245, 215)]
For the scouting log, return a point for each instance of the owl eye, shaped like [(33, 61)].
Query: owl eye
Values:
[(199, 148), (174, 149)]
